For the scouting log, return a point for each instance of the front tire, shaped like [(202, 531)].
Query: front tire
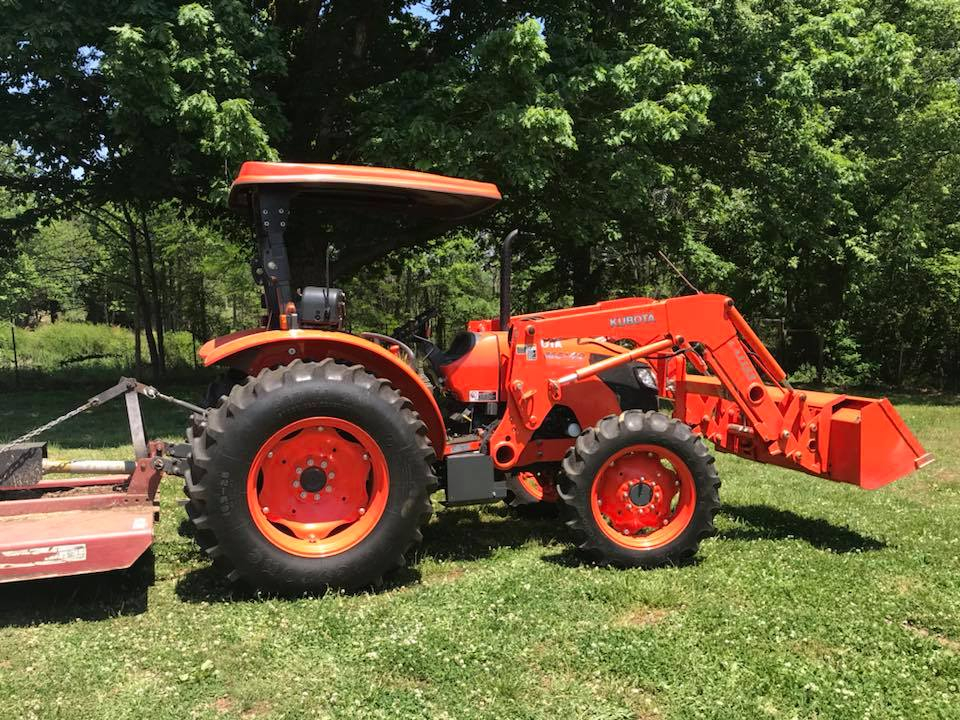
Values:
[(310, 476), (641, 490)]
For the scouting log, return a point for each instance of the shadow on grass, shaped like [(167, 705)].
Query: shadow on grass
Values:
[(768, 523), (470, 534), (210, 584), (100, 596), (460, 534)]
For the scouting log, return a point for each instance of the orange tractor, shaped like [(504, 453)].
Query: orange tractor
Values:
[(315, 463)]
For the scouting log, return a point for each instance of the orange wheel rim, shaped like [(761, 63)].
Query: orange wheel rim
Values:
[(317, 486), (644, 497), (540, 488), (529, 482)]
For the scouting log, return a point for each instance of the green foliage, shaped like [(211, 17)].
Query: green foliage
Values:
[(800, 156), (452, 277), (69, 346)]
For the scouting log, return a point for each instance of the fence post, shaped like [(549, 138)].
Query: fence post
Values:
[(16, 361)]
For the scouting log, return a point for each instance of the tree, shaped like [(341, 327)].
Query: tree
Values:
[(795, 155), (115, 108)]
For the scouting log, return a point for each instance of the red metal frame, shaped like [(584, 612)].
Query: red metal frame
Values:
[(77, 532), (252, 350), (471, 195)]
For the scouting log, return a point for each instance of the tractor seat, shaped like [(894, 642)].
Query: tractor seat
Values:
[(462, 343)]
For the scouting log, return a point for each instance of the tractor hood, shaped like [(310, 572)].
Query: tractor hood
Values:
[(395, 192)]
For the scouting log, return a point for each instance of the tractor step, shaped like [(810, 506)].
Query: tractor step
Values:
[(55, 544)]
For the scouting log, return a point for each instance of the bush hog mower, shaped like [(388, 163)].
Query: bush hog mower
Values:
[(315, 463)]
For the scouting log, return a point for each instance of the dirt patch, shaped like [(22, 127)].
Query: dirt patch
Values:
[(814, 649), (405, 682), (450, 575), (643, 616), (223, 705), (905, 585), (642, 706), (941, 640), (258, 709)]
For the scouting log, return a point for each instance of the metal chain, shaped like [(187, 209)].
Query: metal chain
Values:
[(43, 428), (131, 386)]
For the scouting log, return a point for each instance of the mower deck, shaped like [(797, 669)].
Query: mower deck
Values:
[(56, 526), (75, 542)]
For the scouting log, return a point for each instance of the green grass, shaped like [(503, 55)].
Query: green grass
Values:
[(815, 600)]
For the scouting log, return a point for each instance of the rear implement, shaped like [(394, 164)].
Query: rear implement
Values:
[(100, 520)]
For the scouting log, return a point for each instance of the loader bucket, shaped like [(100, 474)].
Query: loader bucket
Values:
[(870, 445), (855, 440)]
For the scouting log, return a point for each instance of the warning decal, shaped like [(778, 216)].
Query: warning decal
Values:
[(46, 555)]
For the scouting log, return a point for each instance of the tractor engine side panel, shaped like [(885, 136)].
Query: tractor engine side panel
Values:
[(476, 375)]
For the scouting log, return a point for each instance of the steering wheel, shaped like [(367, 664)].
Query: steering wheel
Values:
[(417, 330)]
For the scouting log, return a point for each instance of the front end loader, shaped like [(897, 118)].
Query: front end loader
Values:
[(315, 463)]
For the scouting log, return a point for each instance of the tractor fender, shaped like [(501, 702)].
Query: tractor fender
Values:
[(251, 351)]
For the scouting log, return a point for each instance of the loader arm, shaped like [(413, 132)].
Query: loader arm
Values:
[(744, 405)]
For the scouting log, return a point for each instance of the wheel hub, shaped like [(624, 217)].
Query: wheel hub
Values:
[(636, 493), (641, 494), (313, 479)]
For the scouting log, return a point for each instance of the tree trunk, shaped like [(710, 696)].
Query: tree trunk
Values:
[(137, 342), (146, 311), (583, 282), (155, 291)]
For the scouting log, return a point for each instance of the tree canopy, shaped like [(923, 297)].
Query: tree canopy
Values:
[(799, 156)]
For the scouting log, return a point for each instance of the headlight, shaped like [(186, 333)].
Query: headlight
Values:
[(645, 376)]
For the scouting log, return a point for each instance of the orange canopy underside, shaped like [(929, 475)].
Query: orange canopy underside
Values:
[(469, 196)]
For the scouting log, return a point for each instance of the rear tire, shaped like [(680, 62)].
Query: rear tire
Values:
[(640, 490), (300, 411)]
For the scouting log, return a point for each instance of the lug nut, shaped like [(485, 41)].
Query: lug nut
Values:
[(329, 488), (296, 483), (302, 495), (299, 470), (310, 462), (270, 454), (362, 511), (331, 475), (316, 496), (323, 463)]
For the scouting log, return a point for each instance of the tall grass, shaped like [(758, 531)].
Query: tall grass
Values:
[(75, 351)]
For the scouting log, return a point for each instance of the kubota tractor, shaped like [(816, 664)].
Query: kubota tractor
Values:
[(315, 463), (317, 468)]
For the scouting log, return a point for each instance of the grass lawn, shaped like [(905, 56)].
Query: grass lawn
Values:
[(815, 600)]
